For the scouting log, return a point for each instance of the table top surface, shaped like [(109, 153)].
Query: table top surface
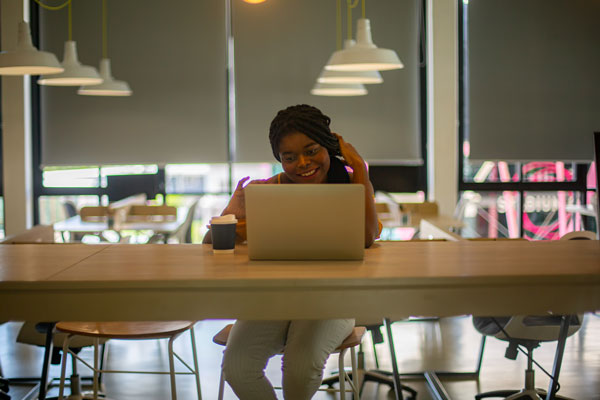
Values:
[(390, 270), (464, 261)]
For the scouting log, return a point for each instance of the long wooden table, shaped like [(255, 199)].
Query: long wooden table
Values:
[(396, 279), (49, 282)]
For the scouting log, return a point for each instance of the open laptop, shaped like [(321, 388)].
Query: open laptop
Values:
[(305, 221)]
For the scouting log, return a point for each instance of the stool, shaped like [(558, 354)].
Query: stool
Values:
[(350, 342), (132, 331)]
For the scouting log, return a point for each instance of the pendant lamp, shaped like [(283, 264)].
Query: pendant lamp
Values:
[(364, 55), (364, 77), (337, 89), (26, 59), (109, 86), (75, 73)]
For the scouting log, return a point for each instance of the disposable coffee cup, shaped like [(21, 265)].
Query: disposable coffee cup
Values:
[(223, 233)]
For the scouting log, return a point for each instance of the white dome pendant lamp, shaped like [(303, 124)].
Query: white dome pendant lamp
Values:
[(364, 55), (109, 86), (364, 77), (338, 89), (75, 74), (26, 59)]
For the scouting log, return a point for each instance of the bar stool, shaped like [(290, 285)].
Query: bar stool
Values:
[(132, 331), (350, 342)]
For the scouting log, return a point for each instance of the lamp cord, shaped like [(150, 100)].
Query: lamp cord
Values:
[(70, 22), (338, 24), (350, 6), (104, 31), (53, 8)]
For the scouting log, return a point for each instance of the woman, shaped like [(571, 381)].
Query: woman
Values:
[(309, 153)]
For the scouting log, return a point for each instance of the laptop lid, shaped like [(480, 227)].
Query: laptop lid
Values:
[(305, 221)]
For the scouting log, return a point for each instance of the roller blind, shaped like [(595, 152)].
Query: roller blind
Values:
[(280, 49), (534, 80), (172, 54)]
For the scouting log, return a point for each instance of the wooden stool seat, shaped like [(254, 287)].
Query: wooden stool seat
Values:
[(126, 330), (352, 340)]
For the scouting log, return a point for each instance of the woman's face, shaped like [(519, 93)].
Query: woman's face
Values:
[(303, 159)]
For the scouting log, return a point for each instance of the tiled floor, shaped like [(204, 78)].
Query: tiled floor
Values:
[(447, 344)]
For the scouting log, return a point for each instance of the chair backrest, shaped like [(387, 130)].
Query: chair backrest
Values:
[(579, 235), (70, 208), (35, 234), (138, 212), (184, 233), (538, 328), (93, 212)]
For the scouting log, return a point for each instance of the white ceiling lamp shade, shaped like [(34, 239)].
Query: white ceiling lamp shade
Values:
[(26, 59), (75, 73), (109, 86), (364, 55), (364, 77), (337, 89)]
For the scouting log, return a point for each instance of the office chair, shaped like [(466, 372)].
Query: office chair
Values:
[(530, 331), (353, 340)]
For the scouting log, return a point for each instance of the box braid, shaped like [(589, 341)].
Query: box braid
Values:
[(313, 123)]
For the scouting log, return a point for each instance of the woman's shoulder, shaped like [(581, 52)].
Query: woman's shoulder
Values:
[(273, 179)]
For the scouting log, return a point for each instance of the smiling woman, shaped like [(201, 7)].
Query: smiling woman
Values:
[(309, 152)]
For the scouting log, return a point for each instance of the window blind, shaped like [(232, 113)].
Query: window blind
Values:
[(280, 49), (533, 79), (172, 54)]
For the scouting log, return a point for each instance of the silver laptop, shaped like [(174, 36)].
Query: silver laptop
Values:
[(305, 221)]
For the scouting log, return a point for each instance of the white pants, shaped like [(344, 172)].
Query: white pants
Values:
[(305, 345)]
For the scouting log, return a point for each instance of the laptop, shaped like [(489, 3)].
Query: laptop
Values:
[(305, 221)]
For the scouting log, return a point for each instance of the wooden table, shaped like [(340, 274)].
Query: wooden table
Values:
[(76, 225), (396, 279)]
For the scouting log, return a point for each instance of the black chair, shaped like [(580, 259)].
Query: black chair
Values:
[(529, 331)]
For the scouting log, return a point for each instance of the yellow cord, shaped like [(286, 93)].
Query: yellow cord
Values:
[(104, 35), (70, 22), (349, 24), (53, 8), (338, 24)]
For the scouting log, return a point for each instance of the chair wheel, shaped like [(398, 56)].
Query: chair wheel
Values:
[(4, 385), (4, 396)]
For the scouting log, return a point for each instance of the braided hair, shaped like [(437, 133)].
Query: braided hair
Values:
[(311, 122)]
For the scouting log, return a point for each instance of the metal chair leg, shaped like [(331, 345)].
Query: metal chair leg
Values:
[(342, 374), (196, 370), (172, 369)]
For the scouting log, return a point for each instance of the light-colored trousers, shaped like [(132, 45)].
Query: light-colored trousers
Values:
[(305, 346)]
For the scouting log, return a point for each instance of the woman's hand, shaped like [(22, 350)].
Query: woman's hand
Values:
[(360, 174), (351, 157), (237, 203)]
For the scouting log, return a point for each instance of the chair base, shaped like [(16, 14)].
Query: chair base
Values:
[(534, 394), (379, 377)]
